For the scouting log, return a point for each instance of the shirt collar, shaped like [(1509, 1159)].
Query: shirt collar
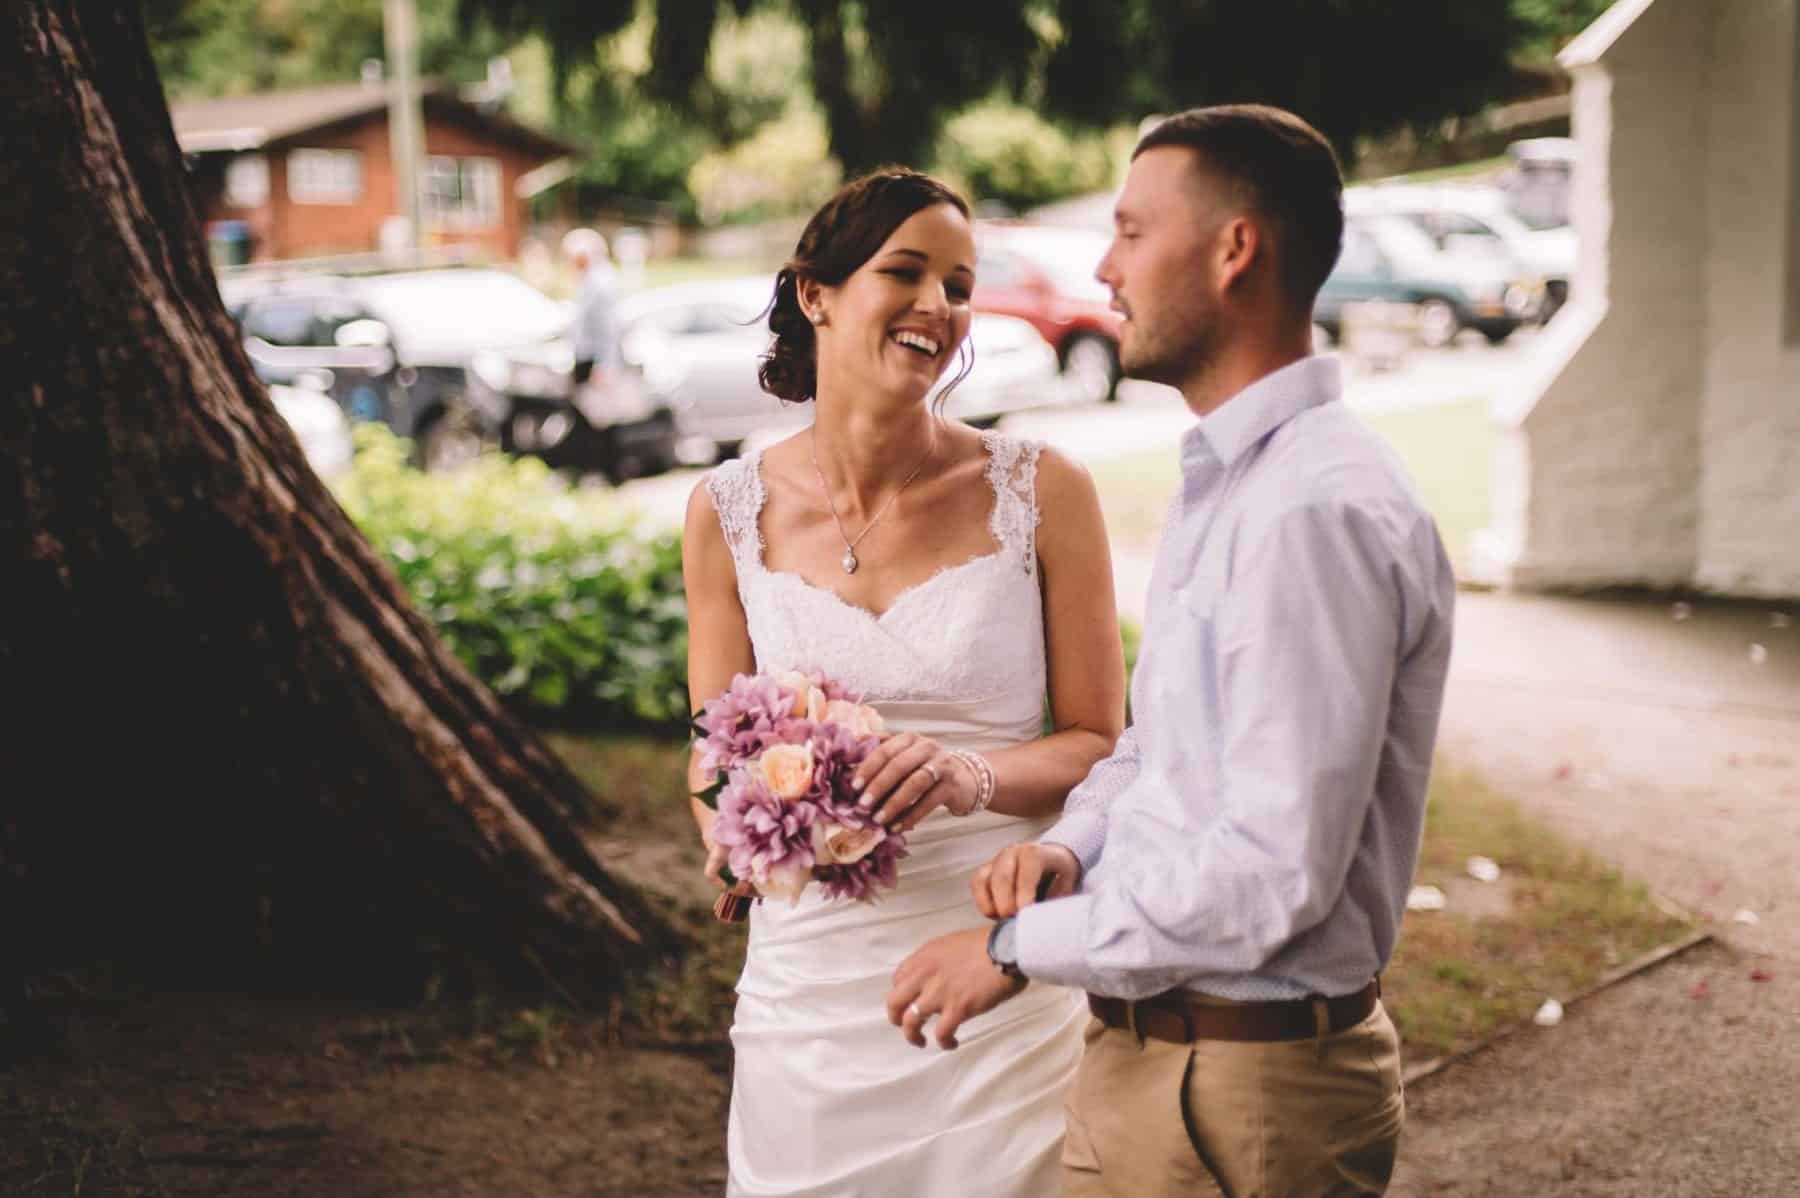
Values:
[(1223, 434)]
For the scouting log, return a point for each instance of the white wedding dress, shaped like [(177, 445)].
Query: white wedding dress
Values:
[(827, 1097)]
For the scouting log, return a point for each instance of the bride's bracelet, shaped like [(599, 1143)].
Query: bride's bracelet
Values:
[(983, 772)]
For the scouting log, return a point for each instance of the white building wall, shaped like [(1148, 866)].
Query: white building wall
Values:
[(1661, 444), (1750, 410)]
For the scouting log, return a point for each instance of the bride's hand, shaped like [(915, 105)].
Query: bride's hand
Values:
[(1022, 874), (909, 777), (716, 857)]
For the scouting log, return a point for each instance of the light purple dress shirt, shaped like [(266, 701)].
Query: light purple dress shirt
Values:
[(1255, 832)]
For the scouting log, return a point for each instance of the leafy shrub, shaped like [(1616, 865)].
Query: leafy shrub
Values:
[(549, 595), (784, 167), (1004, 151)]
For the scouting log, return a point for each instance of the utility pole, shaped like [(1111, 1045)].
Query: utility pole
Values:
[(406, 124)]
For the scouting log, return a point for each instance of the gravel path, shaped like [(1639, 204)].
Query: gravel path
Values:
[(1671, 748)]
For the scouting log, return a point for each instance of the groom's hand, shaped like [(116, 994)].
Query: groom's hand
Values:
[(948, 980), (1022, 874)]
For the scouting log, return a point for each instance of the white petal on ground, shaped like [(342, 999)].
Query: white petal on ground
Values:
[(1484, 869), (1548, 1015), (1758, 655), (1747, 917), (1425, 898)]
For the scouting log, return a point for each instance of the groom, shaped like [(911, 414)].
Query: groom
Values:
[(1229, 884)]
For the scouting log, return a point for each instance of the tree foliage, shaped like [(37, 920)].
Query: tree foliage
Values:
[(225, 47), (652, 86), (1354, 68), (1549, 24), (888, 73)]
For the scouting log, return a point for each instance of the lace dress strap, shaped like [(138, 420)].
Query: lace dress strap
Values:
[(737, 493), (1012, 472)]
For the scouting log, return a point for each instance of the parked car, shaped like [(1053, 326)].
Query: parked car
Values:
[(318, 422), (1389, 258), (699, 344), (1477, 220), (1013, 369), (1045, 275), (613, 422), (400, 348), (1539, 180)]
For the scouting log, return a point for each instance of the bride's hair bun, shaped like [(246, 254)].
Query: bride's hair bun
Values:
[(840, 237)]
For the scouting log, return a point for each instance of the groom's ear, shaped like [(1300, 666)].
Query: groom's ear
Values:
[(1236, 249)]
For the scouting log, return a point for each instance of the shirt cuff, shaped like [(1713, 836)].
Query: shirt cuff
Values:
[(1052, 943), (1082, 833)]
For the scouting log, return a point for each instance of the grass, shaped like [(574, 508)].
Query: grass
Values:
[(1555, 923), (647, 835), (1448, 449), (659, 272)]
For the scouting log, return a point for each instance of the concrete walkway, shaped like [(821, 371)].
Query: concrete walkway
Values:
[(1671, 747)]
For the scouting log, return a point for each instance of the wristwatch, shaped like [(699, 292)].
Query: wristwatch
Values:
[(1003, 948)]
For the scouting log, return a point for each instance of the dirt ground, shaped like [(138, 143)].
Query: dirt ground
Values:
[(155, 1094), (211, 1095)]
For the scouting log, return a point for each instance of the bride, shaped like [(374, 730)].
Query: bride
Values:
[(956, 579)]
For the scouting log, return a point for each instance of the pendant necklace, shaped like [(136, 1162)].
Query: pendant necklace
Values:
[(849, 561)]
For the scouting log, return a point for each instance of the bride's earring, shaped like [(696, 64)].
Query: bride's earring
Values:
[(816, 316)]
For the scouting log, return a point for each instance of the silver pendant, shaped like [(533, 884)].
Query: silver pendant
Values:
[(849, 561)]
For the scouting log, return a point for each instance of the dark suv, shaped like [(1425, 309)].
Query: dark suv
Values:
[(404, 349)]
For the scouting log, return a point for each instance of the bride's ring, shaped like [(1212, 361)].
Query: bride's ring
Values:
[(913, 1010), (932, 770)]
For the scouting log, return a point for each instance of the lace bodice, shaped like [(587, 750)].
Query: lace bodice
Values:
[(959, 656)]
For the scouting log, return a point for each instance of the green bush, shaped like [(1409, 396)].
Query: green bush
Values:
[(549, 595), (1004, 151)]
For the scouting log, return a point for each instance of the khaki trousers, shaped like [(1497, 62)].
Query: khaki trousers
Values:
[(1290, 1119)]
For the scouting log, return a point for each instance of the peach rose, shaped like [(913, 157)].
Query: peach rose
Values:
[(797, 682), (787, 770), (785, 882), (816, 705), (858, 718), (839, 845)]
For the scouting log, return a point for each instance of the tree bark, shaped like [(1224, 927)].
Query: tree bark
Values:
[(231, 740)]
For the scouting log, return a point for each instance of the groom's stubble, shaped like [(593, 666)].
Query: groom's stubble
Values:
[(1179, 337)]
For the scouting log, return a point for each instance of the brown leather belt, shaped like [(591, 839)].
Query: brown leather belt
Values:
[(1179, 1019)]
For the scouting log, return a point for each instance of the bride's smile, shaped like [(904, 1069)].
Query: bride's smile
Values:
[(895, 325)]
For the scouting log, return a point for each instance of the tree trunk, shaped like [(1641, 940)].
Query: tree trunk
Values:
[(231, 741)]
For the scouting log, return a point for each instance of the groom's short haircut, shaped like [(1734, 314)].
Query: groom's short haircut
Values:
[(1281, 169)]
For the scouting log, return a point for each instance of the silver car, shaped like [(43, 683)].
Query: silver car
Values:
[(699, 345)]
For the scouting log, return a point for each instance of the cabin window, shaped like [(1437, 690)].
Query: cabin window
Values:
[(460, 193), (324, 176)]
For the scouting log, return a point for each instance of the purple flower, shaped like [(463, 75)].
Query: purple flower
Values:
[(751, 715), (767, 837)]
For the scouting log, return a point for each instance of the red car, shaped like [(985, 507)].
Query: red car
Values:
[(1045, 274)]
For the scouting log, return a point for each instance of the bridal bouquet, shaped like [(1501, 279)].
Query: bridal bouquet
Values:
[(782, 749)]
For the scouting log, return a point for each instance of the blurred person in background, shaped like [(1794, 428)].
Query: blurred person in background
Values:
[(594, 336)]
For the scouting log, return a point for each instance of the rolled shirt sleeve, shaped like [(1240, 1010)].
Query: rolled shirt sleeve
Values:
[(1305, 648)]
